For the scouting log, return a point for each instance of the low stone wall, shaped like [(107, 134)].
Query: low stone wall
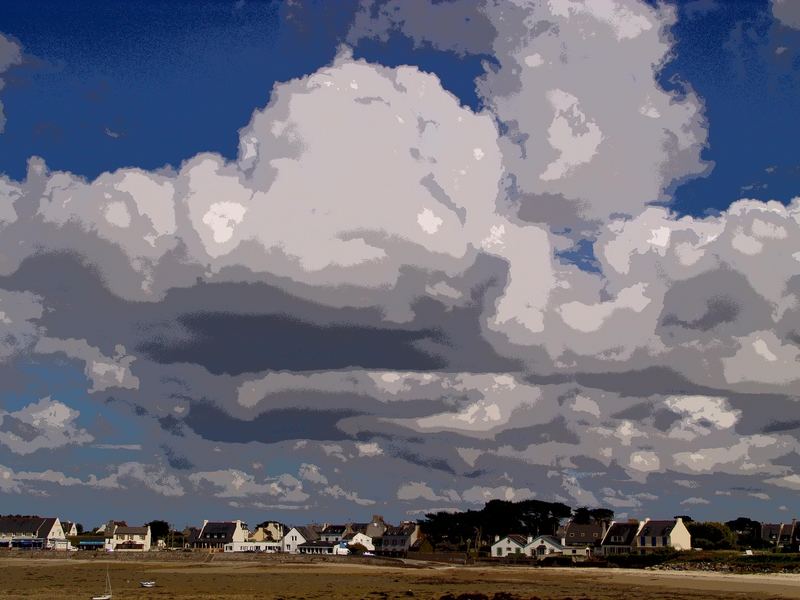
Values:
[(198, 556)]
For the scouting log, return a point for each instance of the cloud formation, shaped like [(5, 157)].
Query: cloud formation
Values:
[(10, 55), (367, 308)]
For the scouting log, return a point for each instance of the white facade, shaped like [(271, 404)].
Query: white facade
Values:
[(364, 540), (52, 534), (270, 547), (548, 545), (139, 537), (292, 540), (507, 546)]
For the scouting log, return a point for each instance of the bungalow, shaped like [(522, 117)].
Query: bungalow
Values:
[(322, 547), (658, 535), (548, 545), (511, 544), (251, 546), (136, 539), (17, 531), (396, 541), (296, 537), (619, 538), (214, 535)]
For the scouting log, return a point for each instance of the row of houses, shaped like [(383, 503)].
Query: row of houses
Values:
[(580, 541), (575, 540), (34, 532), (375, 536)]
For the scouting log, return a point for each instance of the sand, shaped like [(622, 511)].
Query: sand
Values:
[(228, 580)]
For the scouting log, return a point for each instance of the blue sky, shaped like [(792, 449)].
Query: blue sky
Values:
[(310, 259)]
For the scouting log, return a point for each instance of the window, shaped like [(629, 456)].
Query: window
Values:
[(583, 534), (571, 535), (499, 552)]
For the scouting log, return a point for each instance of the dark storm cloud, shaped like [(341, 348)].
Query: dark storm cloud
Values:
[(236, 343), (213, 423)]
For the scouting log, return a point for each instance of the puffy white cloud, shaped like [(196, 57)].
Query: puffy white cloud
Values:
[(587, 121), (415, 189), (135, 474), (336, 491), (233, 483), (46, 424), (415, 490), (24, 482)]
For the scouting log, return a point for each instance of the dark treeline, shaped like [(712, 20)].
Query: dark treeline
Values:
[(478, 528)]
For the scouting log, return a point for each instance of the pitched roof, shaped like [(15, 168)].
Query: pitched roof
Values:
[(27, 525), (218, 531), (405, 529), (590, 531), (131, 530), (308, 532), (550, 539), (657, 528), (520, 540), (620, 534), (334, 529)]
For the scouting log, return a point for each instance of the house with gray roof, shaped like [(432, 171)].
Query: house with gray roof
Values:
[(31, 531)]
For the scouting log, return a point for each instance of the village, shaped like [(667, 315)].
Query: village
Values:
[(584, 536)]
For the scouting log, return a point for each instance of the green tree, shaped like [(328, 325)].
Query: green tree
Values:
[(711, 535), (159, 530), (748, 532)]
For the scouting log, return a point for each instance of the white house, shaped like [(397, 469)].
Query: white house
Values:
[(297, 536), (548, 545), (511, 544), (129, 539), (32, 532), (359, 538)]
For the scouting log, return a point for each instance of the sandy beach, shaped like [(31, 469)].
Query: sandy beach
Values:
[(224, 580)]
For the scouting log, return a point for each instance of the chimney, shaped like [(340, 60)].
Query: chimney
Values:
[(496, 539), (530, 539)]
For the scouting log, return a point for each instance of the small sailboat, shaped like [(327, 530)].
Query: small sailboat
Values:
[(148, 584), (107, 594)]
